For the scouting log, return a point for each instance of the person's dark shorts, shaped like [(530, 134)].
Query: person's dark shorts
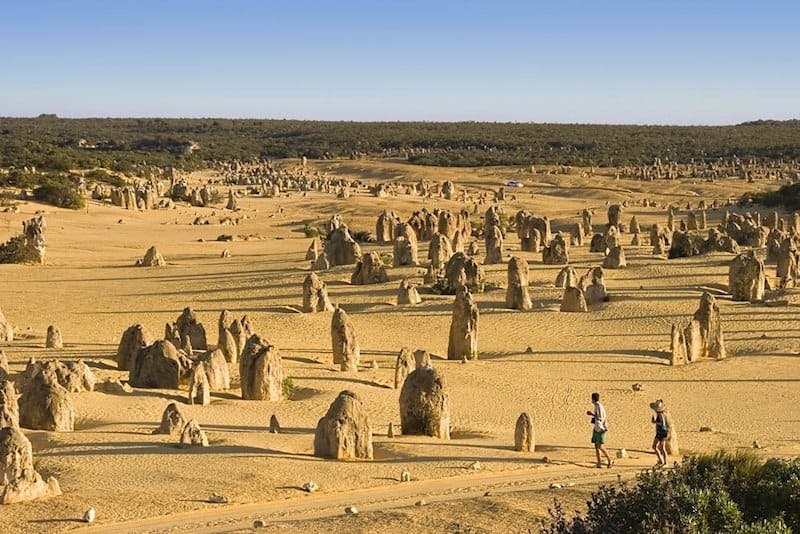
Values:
[(661, 436), (598, 438)]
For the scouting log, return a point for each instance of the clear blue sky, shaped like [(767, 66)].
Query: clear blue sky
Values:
[(643, 61)]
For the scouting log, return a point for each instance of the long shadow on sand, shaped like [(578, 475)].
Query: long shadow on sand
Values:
[(137, 448), (247, 429)]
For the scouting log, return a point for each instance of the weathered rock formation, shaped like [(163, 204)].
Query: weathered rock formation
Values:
[(6, 330), (440, 251), (660, 239), (677, 346), (586, 221), (463, 341), (385, 225), (425, 404), (199, 388), (576, 235), (404, 249), (45, 404), (788, 263), (9, 404), (192, 436), (157, 366), (615, 259), (403, 366), (216, 368), (172, 421), (524, 440), (556, 252), (685, 244), (407, 294), (152, 258), (314, 250), (369, 270), (19, 480), (494, 245), (346, 351), (134, 339), (341, 248), (704, 334), (615, 215), (261, 370), (53, 339), (747, 278), (463, 270), (573, 300), (344, 433), (190, 327), (315, 295), (567, 277), (517, 297)]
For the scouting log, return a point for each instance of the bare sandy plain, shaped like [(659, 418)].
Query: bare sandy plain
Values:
[(91, 289)]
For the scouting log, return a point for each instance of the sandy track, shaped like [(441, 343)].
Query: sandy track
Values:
[(235, 517)]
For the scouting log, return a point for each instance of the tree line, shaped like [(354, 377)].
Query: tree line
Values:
[(51, 143)]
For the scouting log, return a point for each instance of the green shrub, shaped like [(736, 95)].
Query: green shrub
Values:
[(60, 192), (288, 388), (21, 179), (363, 236), (101, 175), (58, 162), (311, 231), (723, 492), (14, 251), (387, 259), (787, 196)]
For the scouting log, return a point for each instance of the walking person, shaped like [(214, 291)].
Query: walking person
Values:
[(600, 422), (661, 421)]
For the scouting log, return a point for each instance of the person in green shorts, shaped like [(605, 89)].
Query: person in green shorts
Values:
[(599, 429)]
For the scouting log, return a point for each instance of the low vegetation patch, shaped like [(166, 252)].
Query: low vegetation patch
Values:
[(723, 492), (786, 196)]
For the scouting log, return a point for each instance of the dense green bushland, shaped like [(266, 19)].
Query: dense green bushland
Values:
[(53, 188), (723, 492), (786, 196), (121, 144)]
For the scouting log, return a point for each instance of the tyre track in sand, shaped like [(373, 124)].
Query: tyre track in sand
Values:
[(237, 517)]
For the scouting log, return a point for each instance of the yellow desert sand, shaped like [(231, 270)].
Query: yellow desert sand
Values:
[(541, 361)]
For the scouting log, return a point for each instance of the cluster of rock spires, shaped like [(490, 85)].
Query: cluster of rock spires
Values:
[(580, 293), (702, 338), (44, 403), (152, 258)]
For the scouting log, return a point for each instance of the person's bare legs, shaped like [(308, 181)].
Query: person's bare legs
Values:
[(597, 448), (663, 446), (602, 448), (657, 444)]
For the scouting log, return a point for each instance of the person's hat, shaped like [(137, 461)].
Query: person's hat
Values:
[(658, 405)]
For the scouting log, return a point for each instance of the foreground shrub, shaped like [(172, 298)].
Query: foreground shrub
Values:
[(723, 492)]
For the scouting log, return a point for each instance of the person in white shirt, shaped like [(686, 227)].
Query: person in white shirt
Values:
[(600, 427)]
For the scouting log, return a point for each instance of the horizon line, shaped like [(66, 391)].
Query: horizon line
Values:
[(56, 116)]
